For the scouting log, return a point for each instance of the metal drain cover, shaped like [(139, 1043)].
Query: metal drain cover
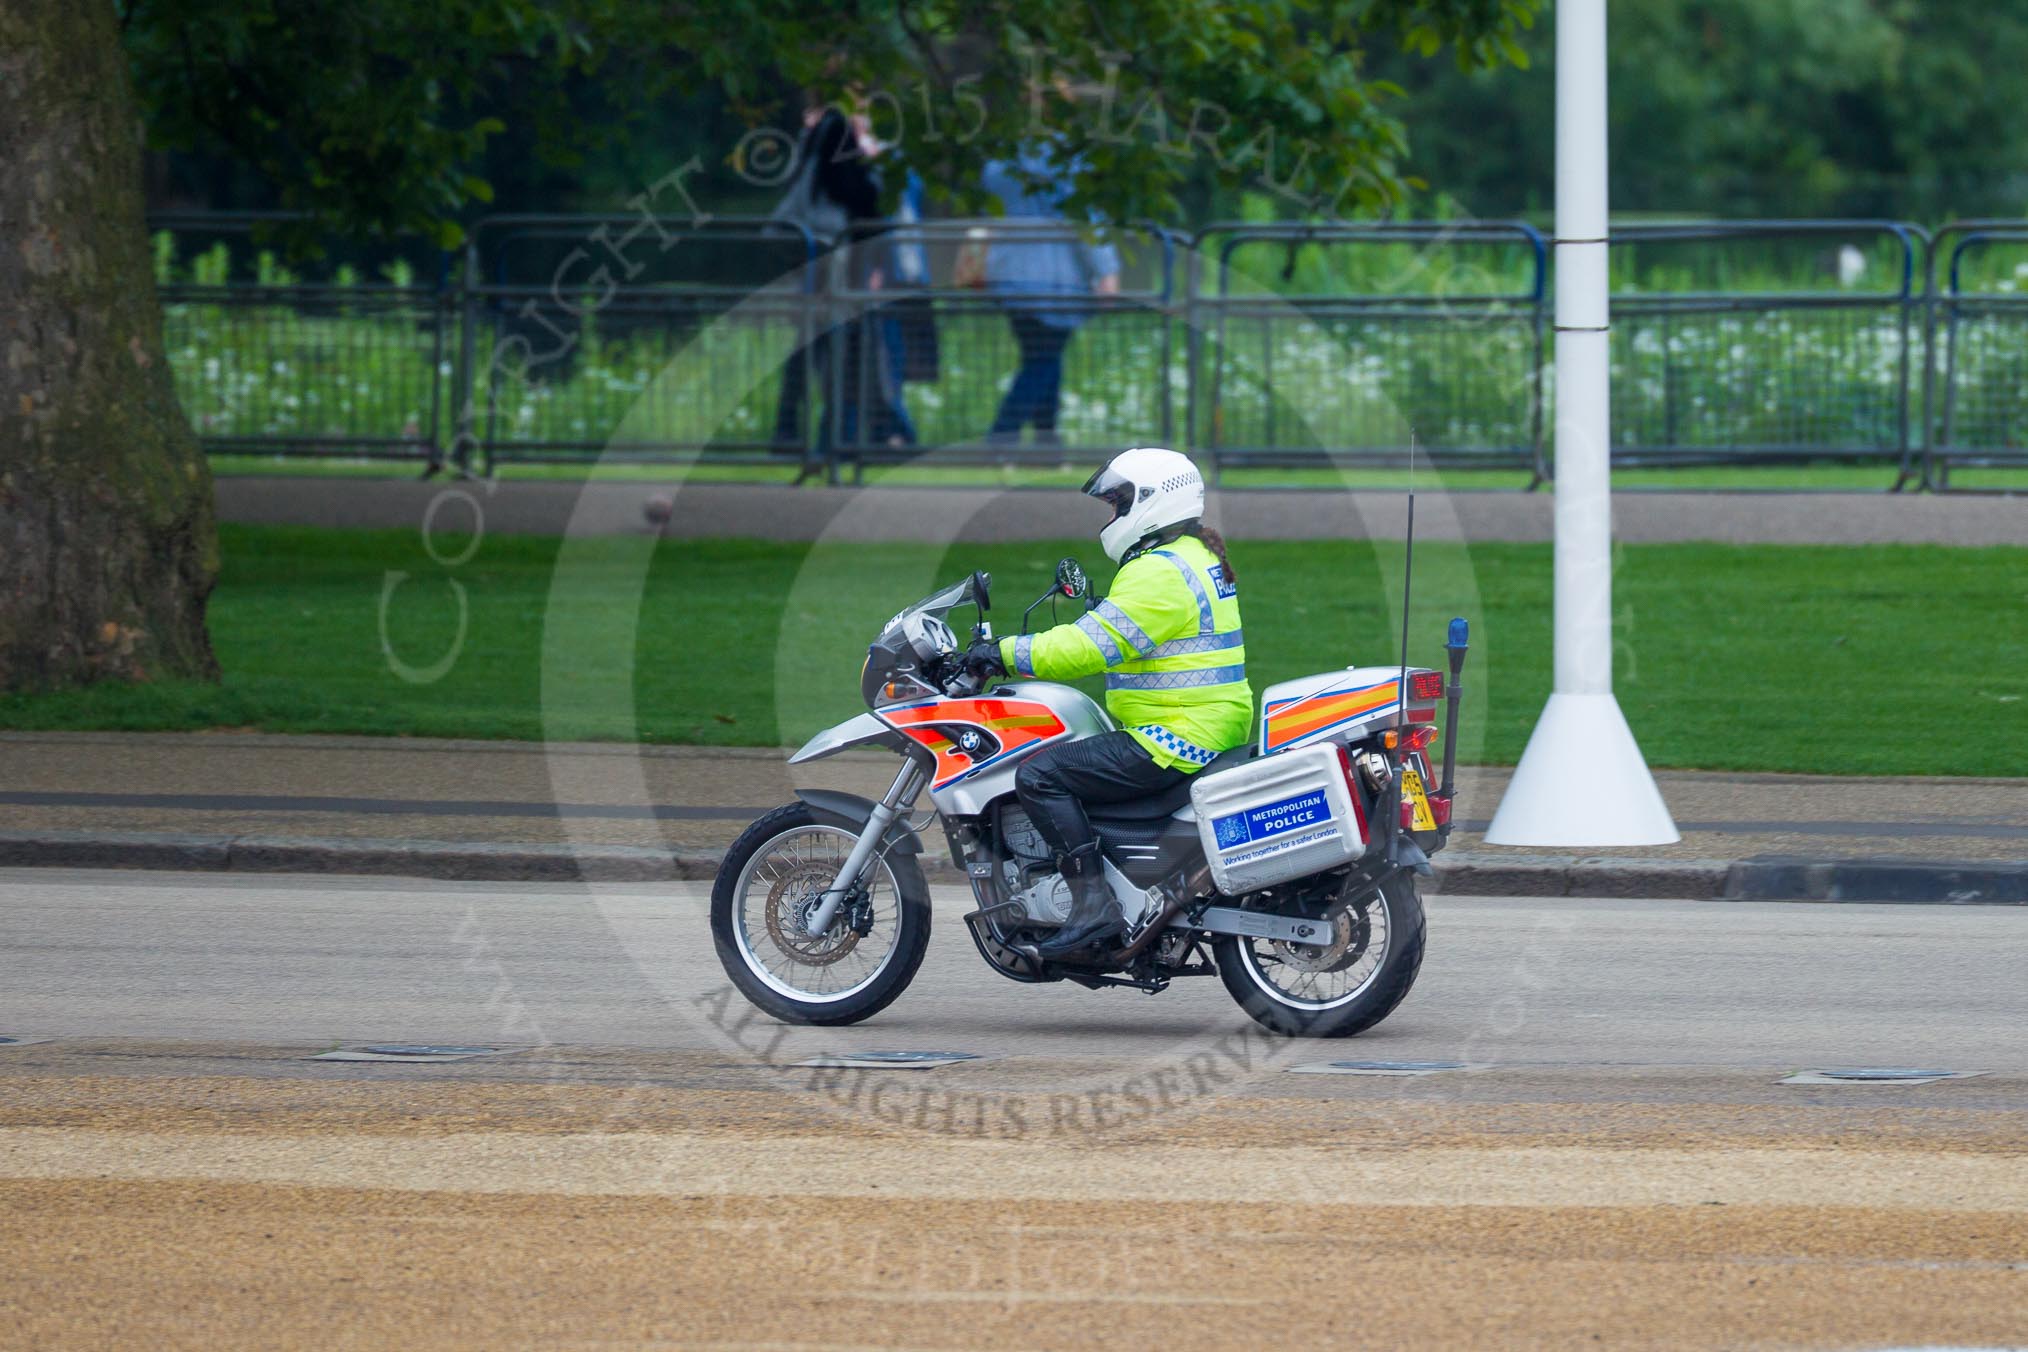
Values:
[(888, 1060), (408, 1051), (1398, 1068), (1877, 1075)]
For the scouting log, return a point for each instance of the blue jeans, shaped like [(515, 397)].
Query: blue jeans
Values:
[(890, 416), (1038, 385)]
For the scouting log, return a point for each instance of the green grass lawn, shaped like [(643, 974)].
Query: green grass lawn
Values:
[(1886, 659)]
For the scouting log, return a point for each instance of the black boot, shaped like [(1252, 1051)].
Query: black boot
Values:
[(1094, 912)]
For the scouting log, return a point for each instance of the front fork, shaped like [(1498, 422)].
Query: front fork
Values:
[(898, 799)]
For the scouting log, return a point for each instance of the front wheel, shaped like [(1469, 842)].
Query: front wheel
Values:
[(773, 878), (1335, 989)]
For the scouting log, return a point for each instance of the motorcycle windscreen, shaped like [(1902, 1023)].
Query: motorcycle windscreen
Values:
[(937, 603)]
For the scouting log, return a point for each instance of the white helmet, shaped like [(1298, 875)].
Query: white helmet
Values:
[(1149, 488)]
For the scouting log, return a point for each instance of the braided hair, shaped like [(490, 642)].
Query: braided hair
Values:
[(1214, 542), (1154, 540)]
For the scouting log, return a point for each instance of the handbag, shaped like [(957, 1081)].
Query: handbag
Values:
[(803, 205), (916, 317)]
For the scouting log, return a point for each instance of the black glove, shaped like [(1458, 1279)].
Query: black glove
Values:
[(983, 658)]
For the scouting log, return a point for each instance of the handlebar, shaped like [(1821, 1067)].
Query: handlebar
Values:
[(949, 675)]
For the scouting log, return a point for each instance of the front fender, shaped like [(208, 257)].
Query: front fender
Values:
[(861, 730), (850, 811)]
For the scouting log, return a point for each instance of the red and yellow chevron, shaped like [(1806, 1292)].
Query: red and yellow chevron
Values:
[(1014, 723), (1313, 715)]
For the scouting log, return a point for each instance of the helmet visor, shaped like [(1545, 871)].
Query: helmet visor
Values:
[(1112, 489)]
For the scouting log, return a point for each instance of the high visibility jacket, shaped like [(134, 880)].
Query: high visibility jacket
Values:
[(1168, 638)]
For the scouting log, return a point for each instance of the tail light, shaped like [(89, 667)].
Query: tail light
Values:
[(1352, 783), (1425, 685), (1413, 738), (1439, 811)]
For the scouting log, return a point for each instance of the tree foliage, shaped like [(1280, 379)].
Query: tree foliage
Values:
[(364, 112), (377, 113), (1755, 108)]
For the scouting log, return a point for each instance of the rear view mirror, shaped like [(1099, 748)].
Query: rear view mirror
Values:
[(1070, 579), (982, 586)]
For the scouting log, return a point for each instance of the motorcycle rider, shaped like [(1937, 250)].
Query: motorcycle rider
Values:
[(1168, 638)]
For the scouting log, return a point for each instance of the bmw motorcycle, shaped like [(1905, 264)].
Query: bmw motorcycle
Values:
[(1287, 867)]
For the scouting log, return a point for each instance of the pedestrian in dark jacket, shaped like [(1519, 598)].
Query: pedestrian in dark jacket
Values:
[(835, 196)]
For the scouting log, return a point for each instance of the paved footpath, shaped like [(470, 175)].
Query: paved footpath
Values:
[(506, 810), (946, 515)]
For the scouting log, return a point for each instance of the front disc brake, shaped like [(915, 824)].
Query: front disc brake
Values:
[(791, 902)]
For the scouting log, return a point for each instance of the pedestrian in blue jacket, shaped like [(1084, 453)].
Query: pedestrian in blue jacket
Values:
[(1024, 270)]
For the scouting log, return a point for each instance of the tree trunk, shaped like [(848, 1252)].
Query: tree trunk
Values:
[(108, 550)]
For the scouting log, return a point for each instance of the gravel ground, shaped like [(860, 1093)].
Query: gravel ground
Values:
[(363, 1206)]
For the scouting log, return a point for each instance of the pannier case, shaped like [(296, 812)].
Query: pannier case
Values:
[(1276, 818)]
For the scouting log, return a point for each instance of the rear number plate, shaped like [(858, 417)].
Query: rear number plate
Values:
[(1418, 799)]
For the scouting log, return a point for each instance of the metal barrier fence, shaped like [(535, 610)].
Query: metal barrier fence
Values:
[(270, 360), (1313, 345), (572, 323), (738, 340), (1978, 349), (1756, 370)]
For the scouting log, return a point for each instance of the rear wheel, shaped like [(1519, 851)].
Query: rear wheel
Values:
[(1335, 989), (772, 880)]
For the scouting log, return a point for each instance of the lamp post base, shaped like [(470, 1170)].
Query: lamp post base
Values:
[(1582, 783)]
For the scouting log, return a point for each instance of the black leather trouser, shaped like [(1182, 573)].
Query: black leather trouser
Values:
[(1055, 783)]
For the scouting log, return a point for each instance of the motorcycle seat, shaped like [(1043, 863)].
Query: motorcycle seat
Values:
[(1154, 807), (1225, 760), (1157, 806)]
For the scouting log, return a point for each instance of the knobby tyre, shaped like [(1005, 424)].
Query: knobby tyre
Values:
[(1300, 991), (770, 881)]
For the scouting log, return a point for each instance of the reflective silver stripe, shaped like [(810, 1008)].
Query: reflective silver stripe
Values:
[(1136, 637), (1175, 745), (1089, 625), (1178, 647), (1024, 661), (1204, 622), (1174, 680)]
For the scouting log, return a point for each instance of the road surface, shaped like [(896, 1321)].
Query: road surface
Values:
[(1614, 1162), (1518, 980)]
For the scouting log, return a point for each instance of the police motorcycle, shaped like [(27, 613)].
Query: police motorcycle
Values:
[(1287, 867)]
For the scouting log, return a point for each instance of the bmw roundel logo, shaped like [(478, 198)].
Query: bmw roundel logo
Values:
[(968, 740)]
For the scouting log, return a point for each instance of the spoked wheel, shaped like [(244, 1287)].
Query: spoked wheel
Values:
[(772, 880), (1333, 989)]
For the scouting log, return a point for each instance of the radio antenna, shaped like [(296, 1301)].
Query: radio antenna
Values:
[(1407, 580)]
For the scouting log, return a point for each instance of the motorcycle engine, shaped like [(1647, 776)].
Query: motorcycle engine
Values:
[(1046, 900)]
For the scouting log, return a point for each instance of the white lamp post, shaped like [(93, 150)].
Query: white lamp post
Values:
[(1582, 781)]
